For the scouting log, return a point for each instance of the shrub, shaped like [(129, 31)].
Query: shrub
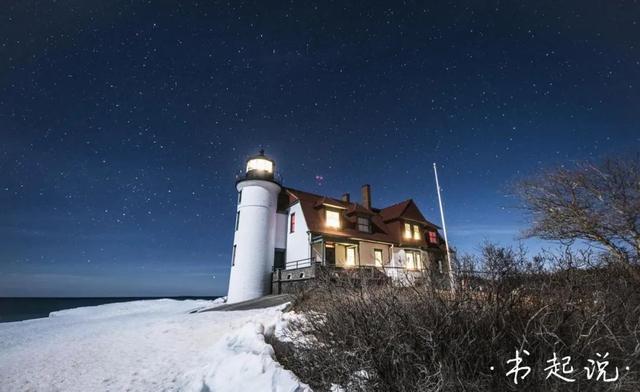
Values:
[(381, 337)]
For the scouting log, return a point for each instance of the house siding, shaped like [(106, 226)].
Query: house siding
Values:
[(298, 247), (366, 250)]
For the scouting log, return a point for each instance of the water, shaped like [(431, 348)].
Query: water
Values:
[(18, 309)]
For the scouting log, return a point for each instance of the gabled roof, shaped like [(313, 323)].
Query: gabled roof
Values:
[(314, 206), (405, 210), (394, 211)]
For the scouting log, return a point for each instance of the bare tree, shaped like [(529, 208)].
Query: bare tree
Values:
[(596, 203)]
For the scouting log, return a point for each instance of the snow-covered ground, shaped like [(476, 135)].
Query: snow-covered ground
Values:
[(154, 345)]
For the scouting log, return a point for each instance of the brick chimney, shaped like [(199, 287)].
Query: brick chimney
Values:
[(346, 198), (366, 196)]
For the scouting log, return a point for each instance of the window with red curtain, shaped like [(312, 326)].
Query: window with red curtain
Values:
[(433, 237), (292, 227)]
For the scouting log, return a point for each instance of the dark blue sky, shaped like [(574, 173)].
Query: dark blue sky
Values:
[(122, 126)]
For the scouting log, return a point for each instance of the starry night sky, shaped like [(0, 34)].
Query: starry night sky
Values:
[(123, 124)]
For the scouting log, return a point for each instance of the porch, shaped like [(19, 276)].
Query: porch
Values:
[(349, 253), (294, 279), (357, 259), (354, 253)]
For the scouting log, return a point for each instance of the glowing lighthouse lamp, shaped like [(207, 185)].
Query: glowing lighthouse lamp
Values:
[(254, 239), (260, 165)]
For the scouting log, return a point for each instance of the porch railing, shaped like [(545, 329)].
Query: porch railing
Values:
[(312, 261), (301, 263)]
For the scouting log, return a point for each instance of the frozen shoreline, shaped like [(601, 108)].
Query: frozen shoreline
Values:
[(149, 345)]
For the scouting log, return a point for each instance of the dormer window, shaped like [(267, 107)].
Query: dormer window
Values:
[(416, 232), (364, 224), (407, 230), (433, 237), (411, 231), (332, 219)]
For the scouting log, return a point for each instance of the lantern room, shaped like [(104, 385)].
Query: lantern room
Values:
[(260, 167)]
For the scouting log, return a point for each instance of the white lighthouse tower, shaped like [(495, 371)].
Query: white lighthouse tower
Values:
[(254, 239)]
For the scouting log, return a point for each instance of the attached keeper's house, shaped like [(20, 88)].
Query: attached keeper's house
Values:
[(282, 235)]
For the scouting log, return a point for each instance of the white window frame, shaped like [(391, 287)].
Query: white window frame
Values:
[(410, 261), (380, 262), (413, 260), (350, 262)]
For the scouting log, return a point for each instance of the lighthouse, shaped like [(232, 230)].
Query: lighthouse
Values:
[(255, 226)]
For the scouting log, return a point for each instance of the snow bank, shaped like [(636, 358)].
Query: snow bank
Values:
[(152, 345), (243, 361)]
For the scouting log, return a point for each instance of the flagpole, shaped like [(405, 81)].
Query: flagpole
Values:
[(444, 230)]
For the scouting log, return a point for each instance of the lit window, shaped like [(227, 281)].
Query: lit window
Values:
[(351, 256), (333, 219), (410, 264), (377, 257), (237, 220), (364, 224), (413, 260), (292, 226), (260, 164), (407, 230), (433, 238), (416, 232), (233, 256)]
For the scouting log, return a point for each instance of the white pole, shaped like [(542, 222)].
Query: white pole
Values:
[(444, 230)]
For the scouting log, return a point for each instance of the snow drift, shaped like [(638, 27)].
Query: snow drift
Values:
[(153, 345)]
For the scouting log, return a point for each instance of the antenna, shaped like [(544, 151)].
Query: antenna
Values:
[(444, 230)]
